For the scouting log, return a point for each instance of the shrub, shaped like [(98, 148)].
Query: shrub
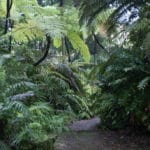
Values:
[(124, 81)]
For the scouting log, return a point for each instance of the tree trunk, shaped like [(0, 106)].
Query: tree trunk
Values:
[(8, 21), (67, 49), (48, 39)]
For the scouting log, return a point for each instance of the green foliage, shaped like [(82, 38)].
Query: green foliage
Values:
[(3, 146), (112, 113), (2, 75), (37, 103), (89, 10), (25, 32), (124, 98), (38, 21), (57, 42), (140, 32), (78, 44), (36, 123)]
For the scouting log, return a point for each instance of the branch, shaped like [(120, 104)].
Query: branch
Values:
[(97, 41), (48, 39)]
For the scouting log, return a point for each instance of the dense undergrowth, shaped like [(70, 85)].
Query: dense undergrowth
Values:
[(36, 104), (110, 79), (123, 100)]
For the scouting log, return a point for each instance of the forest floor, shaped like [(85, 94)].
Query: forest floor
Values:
[(85, 135)]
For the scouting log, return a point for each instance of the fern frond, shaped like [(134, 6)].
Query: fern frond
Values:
[(25, 31), (142, 84), (79, 45), (41, 107), (15, 106), (19, 85)]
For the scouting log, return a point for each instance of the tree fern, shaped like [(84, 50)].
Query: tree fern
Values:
[(41, 21)]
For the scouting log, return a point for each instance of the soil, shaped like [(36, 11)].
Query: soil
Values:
[(85, 135)]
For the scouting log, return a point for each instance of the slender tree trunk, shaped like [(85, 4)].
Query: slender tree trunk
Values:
[(95, 51), (67, 49), (48, 39), (10, 43), (97, 41), (8, 20), (62, 50), (61, 3)]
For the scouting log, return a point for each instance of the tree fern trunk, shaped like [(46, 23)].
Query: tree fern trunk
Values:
[(8, 9), (67, 49), (48, 39), (97, 41), (61, 3)]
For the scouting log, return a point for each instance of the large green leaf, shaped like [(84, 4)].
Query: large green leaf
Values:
[(79, 44)]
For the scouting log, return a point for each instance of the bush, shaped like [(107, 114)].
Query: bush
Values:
[(36, 104), (124, 82)]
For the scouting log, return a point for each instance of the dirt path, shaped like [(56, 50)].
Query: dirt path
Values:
[(93, 138)]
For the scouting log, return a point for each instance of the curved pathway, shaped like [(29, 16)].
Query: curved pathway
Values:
[(85, 135)]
